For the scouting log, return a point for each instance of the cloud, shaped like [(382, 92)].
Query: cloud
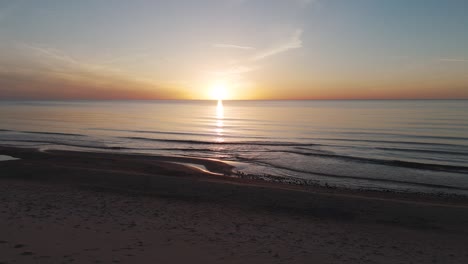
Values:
[(50, 53), (235, 71), (294, 42), (54, 56), (53, 74), (231, 46)]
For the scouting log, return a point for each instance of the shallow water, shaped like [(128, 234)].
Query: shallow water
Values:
[(398, 145)]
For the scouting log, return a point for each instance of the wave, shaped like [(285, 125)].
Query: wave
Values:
[(64, 144), (43, 133), (314, 153), (52, 133), (200, 142), (392, 142), (431, 125), (426, 151), (396, 163), (363, 178), (291, 144), (175, 133), (404, 135), (205, 150)]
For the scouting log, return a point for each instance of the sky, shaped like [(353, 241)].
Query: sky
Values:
[(234, 49)]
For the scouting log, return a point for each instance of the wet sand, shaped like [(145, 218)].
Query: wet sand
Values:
[(65, 207)]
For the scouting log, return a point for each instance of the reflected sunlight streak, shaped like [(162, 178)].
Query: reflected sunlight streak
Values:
[(220, 110), (219, 121)]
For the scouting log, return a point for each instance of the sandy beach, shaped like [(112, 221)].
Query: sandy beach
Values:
[(77, 207)]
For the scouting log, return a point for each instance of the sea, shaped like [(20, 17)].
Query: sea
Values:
[(386, 145)]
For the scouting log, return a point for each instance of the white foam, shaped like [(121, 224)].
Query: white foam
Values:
[(5, 158)]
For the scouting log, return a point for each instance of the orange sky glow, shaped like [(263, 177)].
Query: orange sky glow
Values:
[(295, 49)]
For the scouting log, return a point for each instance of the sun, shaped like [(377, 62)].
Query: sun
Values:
[(219, 91)]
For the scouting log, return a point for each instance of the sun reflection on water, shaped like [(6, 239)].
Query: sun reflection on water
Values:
[(220, 110), (219, 122)]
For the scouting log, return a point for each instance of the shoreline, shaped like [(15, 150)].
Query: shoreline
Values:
[(140, 168), (103, 208)]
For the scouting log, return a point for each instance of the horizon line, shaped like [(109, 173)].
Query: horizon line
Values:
[(309, 99)]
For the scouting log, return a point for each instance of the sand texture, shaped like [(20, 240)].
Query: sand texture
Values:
[(63, 207)]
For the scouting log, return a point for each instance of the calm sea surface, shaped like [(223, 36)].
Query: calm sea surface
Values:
[(419, 146)]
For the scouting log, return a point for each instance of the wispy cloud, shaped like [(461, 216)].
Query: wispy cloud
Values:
[(50, 53), (235, 71), (232, 46), (52, 73), (293, 42)]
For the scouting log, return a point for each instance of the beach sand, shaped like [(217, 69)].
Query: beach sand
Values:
[(77, 207)]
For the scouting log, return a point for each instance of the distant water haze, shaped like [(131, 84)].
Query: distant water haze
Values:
[(406, 145)]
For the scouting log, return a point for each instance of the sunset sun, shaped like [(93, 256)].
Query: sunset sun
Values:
[(219, 91)]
